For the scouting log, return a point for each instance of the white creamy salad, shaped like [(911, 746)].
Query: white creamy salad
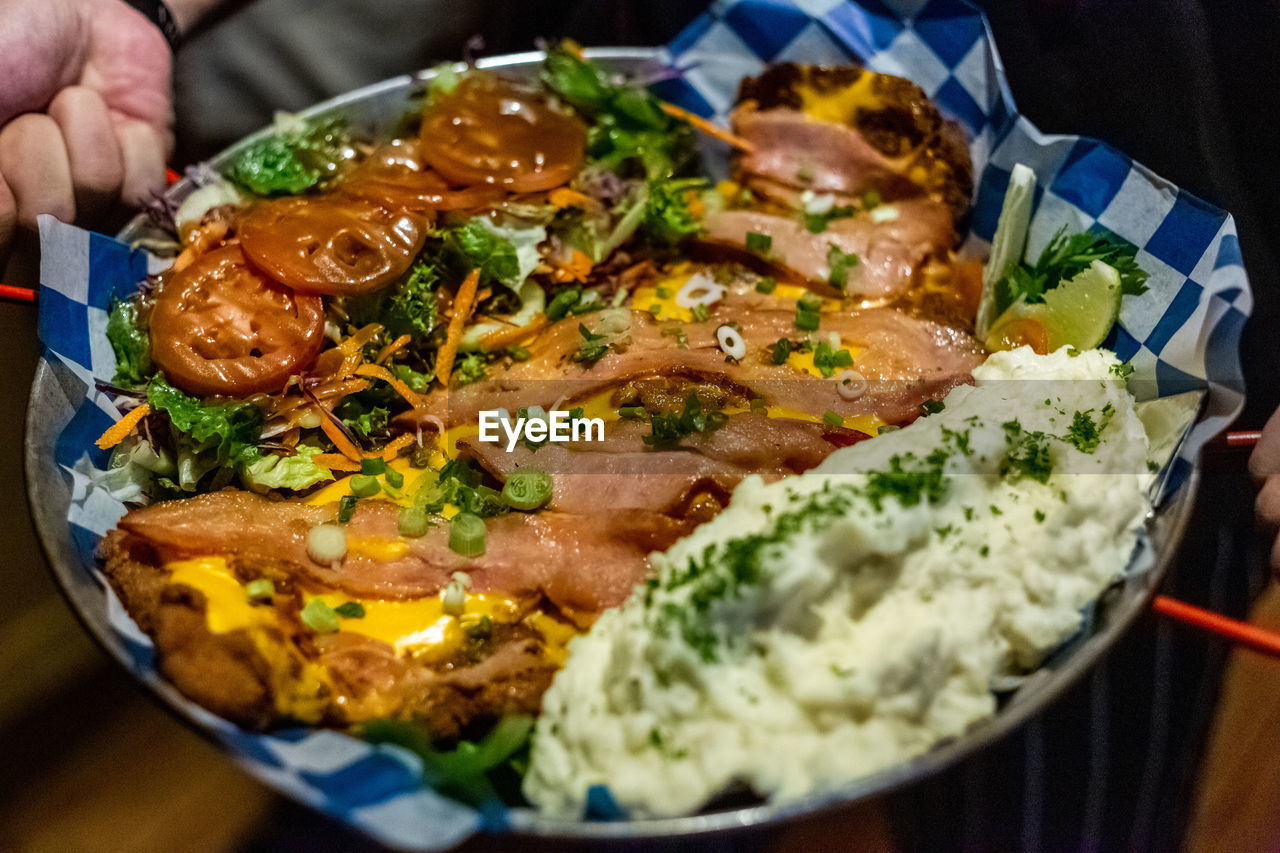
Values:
[(842, 621)]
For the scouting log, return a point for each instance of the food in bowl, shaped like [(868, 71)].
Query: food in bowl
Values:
[(332, 535)]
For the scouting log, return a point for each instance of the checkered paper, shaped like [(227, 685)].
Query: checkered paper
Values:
[(1182, 335)]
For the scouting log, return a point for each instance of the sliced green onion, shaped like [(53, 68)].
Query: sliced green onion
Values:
[(759, 242), (260, 588), (699, 313), (655, 309), (664, 293), (830, 418), (373, 465), (519, 353), (809, 302), (808, 320), (870, 199), (561, 303), (346, 507), (455, 594), (766, 285), (326, 544), (350, 610), (319, 617), (781, 351), (466, 534), (365, 485), (631, 412), (413, 522), (527, 489), (394, 478)]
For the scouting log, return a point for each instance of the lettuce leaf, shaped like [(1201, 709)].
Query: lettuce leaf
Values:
[(284, 472), (131, 343)]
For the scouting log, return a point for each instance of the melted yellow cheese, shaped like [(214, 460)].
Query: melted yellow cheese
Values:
[(840, 105), (421, 625), (339, 489), (229, 607)]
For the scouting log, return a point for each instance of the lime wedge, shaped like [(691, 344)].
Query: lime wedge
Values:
[(1077, 313), (1009, 241)]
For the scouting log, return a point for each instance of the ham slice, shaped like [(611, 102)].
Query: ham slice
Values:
[(579, 562), (623, 473), (890, 253), (905, 361)]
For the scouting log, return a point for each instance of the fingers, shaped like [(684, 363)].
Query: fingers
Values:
[(142, 152), (1267, 505), (33, 162), (1265, 459), (97, 169)]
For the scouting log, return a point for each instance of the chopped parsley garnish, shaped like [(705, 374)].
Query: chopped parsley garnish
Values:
[(1027, 455), (1084, 432), (908, 486), (1123, 370), (1040, 516), (668, 430), (840, 263)]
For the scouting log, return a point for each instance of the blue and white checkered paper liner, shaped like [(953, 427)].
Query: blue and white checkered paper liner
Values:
[(1182, 335)]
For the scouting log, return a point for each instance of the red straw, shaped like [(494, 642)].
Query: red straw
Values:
[(1251, 636), (22, 294)]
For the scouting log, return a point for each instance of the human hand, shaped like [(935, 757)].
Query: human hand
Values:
[(1264, 465), (85, 112)]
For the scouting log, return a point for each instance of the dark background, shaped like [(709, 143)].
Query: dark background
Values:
[(1191, 90)]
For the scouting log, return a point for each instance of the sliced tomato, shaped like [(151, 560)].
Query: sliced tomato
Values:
[(395, 175), (492, 131), (330, 244), (221, 327)]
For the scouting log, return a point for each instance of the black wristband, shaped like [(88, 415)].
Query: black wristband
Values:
[(160, 15)]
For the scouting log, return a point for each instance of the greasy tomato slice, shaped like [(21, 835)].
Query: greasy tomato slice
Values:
[(221, 327), (492, 131), (332, 245), (395, 175)]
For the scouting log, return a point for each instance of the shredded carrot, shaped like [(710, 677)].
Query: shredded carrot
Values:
[(393, 448), (121, 428), (377, 371), (565, 197), (503, 338), (707, 127), (335, 462), (339, 440), (462, 304), (577, 269), (393, 347)]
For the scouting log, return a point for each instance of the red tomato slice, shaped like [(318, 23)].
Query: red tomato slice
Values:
[(331, 245), (492, 131), (220, 327), (395, 175)]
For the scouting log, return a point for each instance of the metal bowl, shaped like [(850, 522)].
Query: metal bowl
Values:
[(375, 109)]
